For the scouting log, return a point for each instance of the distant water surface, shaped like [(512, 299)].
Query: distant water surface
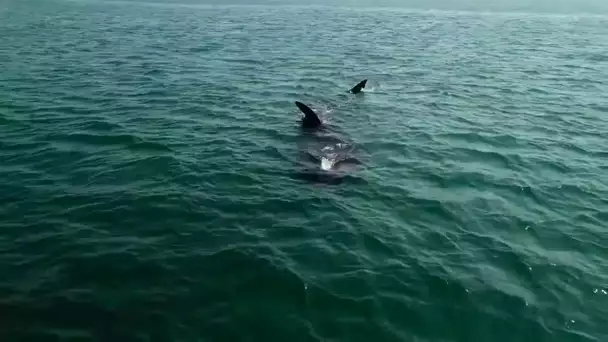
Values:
[(151, 183)]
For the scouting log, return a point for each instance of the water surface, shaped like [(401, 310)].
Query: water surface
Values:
[(150, 182)]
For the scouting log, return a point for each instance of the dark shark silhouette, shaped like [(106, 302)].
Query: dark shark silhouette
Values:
[(357, 89), (332, 155), (310, 119)]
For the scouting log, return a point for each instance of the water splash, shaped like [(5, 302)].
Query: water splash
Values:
[(327, 164)]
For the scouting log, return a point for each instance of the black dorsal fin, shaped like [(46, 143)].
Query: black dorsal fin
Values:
[(357, 89), (311, 119)]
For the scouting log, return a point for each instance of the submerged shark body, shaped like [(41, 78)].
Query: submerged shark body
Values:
[(332, 156)]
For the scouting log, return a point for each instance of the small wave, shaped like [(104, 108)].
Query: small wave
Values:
[(127, 140)]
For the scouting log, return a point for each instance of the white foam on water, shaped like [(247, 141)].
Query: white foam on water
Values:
[(326, 164)]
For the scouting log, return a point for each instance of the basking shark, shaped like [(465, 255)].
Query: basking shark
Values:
[(311, 118), (333, 157), (329, 161)]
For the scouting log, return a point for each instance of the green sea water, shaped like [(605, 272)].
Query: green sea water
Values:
[(152, 183)]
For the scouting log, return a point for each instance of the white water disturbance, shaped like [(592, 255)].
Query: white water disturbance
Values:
[(327, 164)]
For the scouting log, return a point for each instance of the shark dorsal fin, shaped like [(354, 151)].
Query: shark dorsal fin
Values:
[(311, 119), (357, 89)]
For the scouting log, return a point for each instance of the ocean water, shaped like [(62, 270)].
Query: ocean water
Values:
[(155, 184)]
